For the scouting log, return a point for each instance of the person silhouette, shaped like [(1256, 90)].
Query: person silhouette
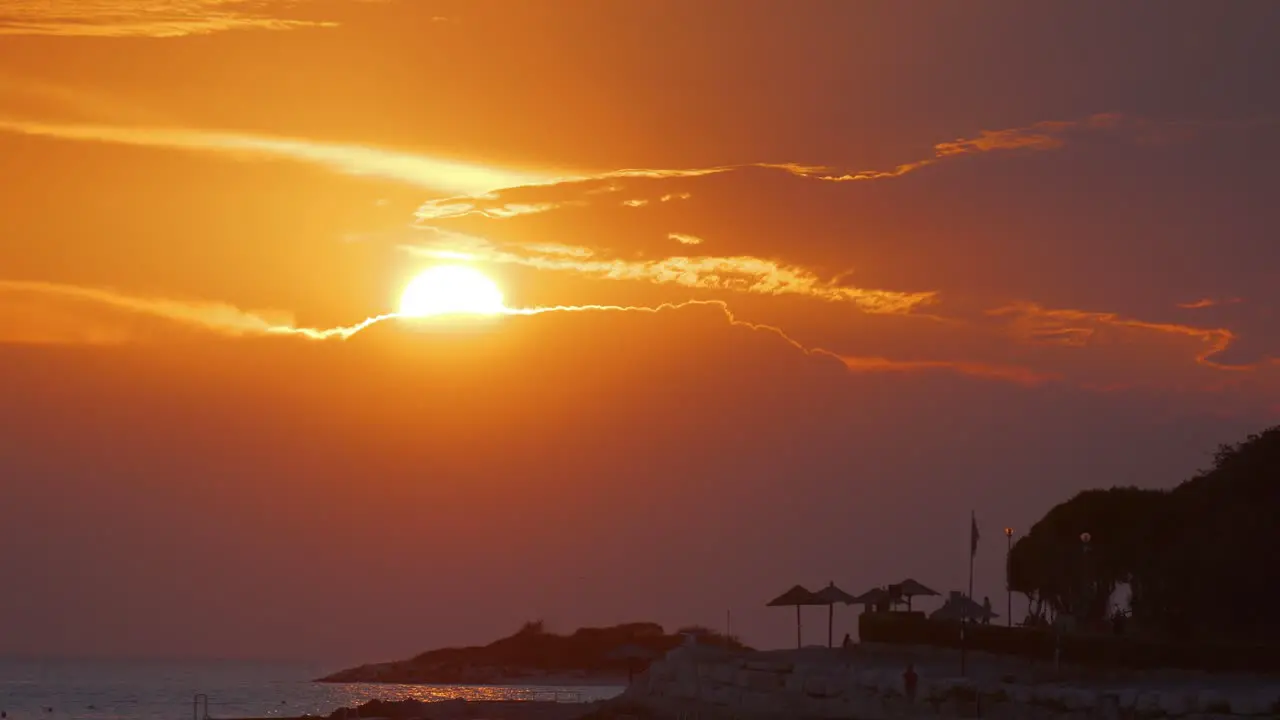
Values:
[(986, 610), (909, 680)]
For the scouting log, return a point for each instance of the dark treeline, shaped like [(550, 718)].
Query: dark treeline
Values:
[(1199, 559)]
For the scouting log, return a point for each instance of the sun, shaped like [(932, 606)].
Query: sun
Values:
[(451, 290)]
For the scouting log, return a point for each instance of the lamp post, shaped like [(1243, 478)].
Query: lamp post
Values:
[(1008, 576)]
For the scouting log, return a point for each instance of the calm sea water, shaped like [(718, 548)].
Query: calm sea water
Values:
[(154, 690)]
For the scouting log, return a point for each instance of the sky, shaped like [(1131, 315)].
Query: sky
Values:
[(795, 290)]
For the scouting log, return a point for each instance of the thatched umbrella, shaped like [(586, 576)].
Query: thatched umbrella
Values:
[(910, 588), (961, 607), (797, 596), (829, 596), (872, 598)]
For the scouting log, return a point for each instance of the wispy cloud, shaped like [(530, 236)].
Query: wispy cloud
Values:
[(213, 316), (1045, 135), (741, 273), (1008, 373), (226, 319), (684, 239), (1208, 302), (483, 190), (218, 317), (421, 171), (142, 18), (1081, 328), (1042, 136)]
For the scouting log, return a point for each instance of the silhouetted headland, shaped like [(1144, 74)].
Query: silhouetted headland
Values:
[(533, 656)]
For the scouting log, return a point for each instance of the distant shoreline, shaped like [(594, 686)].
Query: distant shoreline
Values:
[(533, 679), (532, 657)]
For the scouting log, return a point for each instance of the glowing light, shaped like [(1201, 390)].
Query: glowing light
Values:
[(451, 290)]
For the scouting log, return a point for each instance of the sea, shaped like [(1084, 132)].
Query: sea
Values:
[(167, 690)]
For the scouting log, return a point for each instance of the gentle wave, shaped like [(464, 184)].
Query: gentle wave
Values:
[(132, 690)]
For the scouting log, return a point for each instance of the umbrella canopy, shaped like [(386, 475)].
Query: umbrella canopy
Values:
[(798, 596), (910, 588), (961, 607), (829, 596), (874, 596)]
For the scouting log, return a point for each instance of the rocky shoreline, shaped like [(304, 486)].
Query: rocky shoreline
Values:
[(588, 657), (867, 684), (400, 673)]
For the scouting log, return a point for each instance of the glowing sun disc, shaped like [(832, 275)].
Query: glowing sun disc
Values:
[(451, 290)]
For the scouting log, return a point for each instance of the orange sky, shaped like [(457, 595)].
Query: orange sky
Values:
[(905, 260)]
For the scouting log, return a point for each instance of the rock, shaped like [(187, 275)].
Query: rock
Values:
[(1211, 701), (768, 666), (820, 687), (1147, 704), (1079, 699), (1173, 703), (763, 681)]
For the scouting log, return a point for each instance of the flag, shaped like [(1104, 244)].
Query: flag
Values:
[(973, 535)]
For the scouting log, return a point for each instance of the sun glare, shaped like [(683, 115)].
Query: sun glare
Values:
[(451, 290)]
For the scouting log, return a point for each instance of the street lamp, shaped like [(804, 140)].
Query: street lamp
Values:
[(1008, 576)]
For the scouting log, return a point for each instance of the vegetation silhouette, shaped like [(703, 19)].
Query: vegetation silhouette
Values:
[(1195, 557), (532, 649)]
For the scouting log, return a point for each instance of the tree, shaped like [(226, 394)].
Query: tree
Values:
[(1214, 573), (1187, 554), (1072, 577)]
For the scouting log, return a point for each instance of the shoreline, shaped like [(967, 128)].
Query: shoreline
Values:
[(548, 681), (458, 709)]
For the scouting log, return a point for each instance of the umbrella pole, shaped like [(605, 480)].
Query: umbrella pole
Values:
[(798, 643)]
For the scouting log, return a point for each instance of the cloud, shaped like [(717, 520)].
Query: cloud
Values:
[(428, 173), (140, 18), (745, 274), (213, 316), (1083, 328), (1207, 303), (1041, 136), (228, 320), (478, 193), (484, 190), (1009, 373), (218, 317)]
